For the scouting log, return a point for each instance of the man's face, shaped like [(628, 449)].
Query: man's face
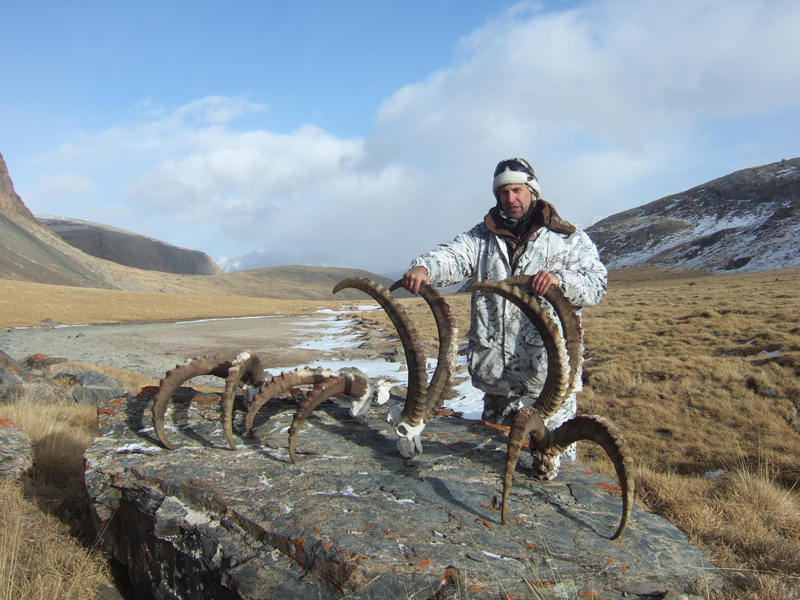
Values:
[(515, 199)]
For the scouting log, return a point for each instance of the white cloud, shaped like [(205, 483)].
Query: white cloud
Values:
[(604, 99), (66, 183)]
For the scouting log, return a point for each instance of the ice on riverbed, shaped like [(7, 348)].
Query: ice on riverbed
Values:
[(469, 401)]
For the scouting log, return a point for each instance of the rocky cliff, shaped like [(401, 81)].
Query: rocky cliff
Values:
[(746, 221), (130, 249)]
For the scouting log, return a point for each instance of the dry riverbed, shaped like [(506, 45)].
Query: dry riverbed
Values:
[(152, 348)]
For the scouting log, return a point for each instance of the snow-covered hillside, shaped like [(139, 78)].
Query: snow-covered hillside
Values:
[(746, 221)]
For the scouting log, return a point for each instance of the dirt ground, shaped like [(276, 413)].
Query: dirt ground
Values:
[(153, 348)]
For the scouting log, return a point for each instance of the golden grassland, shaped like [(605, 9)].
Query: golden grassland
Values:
[(24, 304), (699, 372)]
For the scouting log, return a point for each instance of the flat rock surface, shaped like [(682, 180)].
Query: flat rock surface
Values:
[(353, 519)]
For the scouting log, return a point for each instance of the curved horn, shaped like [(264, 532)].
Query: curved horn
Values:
[(606, 435), (281, 383), (201, 365), (342, 382), (246, 368), (414, 410), (526, 422), (552, 396), (448, 346), (571, 327)]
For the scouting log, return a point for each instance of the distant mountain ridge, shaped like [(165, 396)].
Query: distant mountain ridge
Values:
[(130, 249), (746, 221), (31, 252)]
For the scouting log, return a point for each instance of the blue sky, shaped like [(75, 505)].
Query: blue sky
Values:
[(363, 133)]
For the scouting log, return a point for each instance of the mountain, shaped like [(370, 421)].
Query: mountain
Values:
[(29, 251), (746, 221), (130, 249)]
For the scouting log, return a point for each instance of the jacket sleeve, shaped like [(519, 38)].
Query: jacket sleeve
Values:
[(583, 276), (452, 262)]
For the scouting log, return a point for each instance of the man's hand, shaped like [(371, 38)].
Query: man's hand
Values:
[(541, 282), (413, 279)]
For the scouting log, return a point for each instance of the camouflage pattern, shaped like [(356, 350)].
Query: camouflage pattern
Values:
[(505, 353)]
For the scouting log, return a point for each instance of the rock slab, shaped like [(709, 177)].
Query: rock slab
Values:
[(353, 519)]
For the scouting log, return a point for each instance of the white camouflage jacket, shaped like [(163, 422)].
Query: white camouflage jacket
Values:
[(505, 352)]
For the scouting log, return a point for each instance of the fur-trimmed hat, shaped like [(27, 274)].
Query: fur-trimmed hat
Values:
[(515, 170)]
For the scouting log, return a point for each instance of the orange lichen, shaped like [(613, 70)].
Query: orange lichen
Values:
[(483, 522), (614, 490), (501, 428)]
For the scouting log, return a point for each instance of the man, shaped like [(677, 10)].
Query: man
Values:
[(522, 234)]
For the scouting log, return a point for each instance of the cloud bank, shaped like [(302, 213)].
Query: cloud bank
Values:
[(614, 103)]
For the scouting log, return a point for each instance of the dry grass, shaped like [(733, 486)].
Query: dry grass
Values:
[(45, 525)]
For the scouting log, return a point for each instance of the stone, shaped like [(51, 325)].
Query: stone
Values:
[(41, 390), (94, 388), (25, 387), (353, 519), (12, 388), (93, 378), (41, 361), (17, 450), (93, 395), (12, 365)]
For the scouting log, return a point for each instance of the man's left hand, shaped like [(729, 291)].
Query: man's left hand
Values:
[(542, 282)]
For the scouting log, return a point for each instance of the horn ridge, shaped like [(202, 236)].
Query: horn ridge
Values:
[(526, 420), (246, 368), (201, 365), (606, 435), (281, 383), (414, 410), (448, 348), (552, 396), (352, 385), (571, 326)]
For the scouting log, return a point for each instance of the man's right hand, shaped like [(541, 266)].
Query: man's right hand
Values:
[(414, 278)]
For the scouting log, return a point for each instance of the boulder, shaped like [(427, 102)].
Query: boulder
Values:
[(353, 519), (37, 379), (17, 450), (41, 361), (12, 388), (18, 384), (39, 389), (95, 395)]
